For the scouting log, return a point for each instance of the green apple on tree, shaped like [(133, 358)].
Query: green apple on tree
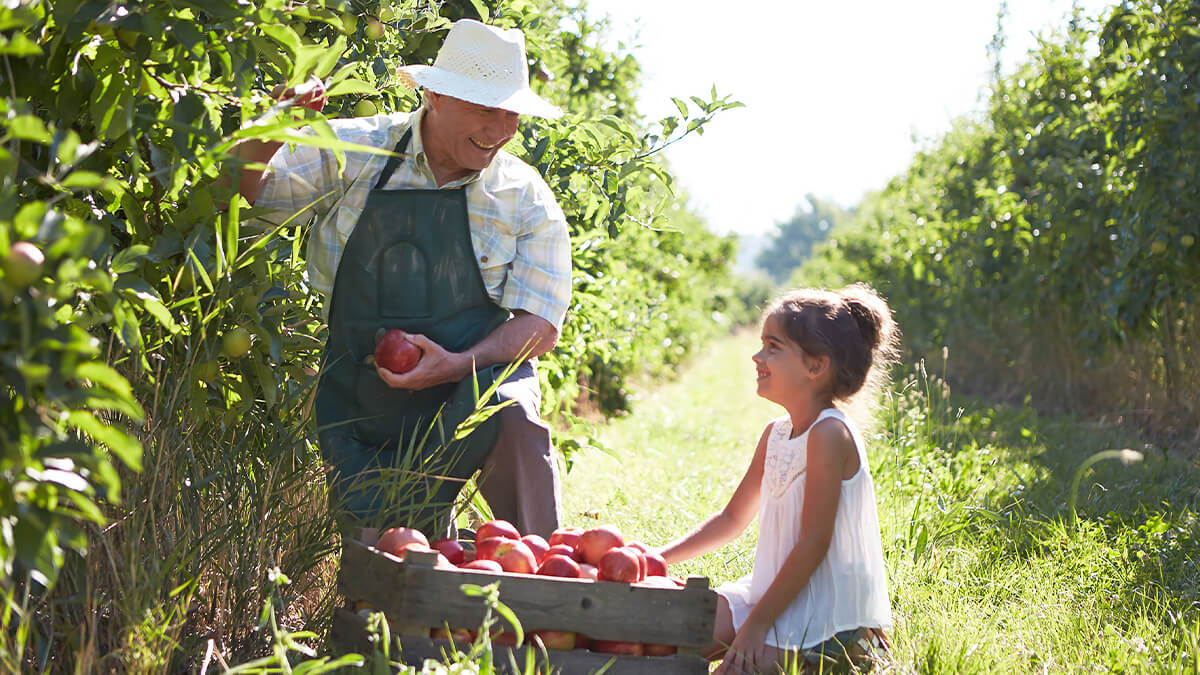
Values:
[(374, 29), (235, 343), (365, 108)]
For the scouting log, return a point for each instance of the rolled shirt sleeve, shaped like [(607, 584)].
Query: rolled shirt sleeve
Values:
[(539, 280)]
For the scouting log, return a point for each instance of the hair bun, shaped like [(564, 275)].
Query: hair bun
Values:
[(872, 315)]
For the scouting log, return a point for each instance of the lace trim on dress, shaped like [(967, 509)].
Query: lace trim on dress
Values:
[(786, 457)]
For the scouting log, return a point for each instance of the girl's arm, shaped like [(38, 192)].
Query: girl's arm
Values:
[(831, 456), (731, 520)]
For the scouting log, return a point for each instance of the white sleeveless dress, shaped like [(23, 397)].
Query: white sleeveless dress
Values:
[(848, 589)]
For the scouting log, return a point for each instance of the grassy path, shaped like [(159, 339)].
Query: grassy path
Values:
[(987, 569)]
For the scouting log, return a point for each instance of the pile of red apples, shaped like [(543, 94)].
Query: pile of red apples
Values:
[(596, 554)]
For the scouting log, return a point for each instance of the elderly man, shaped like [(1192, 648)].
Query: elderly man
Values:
[(460, 245)]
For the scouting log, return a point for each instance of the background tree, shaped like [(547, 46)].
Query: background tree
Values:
[(793, 241)]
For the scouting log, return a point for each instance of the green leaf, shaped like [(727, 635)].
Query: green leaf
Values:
[(127, 260), (285, 36), (29, 128), (681, 106), (126, 448), (19, 46), (482, 9), (351, 86)]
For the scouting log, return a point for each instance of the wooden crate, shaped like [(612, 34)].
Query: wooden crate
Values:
[(415, 596)]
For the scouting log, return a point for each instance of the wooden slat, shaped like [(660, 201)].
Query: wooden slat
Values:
[(350, 632), (416, 593)]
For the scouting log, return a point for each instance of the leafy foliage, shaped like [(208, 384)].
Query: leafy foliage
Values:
[(1052, 245), (163, 330)]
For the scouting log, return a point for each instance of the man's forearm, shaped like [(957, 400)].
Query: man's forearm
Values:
[(250, 181), (524, 336)]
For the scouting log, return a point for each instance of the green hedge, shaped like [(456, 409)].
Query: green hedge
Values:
[(1051, 245)]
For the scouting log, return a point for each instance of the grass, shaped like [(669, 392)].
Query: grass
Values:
[(989, 569)]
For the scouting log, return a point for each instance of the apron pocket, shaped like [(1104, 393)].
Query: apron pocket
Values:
[(409, 299)]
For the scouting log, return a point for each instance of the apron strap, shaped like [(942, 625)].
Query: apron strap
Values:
[(394, 161)]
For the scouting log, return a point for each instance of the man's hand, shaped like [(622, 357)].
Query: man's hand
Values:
[(437, 366), (310, 94)]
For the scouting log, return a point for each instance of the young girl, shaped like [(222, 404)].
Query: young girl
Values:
[(818, 588)]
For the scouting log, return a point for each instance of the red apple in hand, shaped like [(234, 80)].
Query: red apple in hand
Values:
[(452, 549), (310, 94), (621, 565), (594, 543), (395, 353), (537, 545), (496, 528), (559, 566)]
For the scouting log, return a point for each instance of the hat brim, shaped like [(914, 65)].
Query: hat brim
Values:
[(438, 80)]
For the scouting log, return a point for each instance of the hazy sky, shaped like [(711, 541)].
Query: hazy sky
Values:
[(839, 94)]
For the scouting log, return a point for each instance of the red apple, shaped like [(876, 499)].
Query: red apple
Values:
[(23, 266), (555, 639), (393, 540), (504, 638), (455, 634), (594, 543), (565, 535), (395, 353), (310, 94), (641, 558), (482, 565), (617, 647), (620, 565), (485, 549), (587, 571), (515, 556), (452, 549), (651, 649), (417, 546), (639, 546), (536, 544), (656, 565), (559, 566), (496, 528), (562, 549)]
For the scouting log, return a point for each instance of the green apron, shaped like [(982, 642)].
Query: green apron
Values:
[(409, 264)]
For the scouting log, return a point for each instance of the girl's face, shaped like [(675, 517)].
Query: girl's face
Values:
[(786, 373)]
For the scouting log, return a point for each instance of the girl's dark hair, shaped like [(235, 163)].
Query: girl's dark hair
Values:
[(852, 326)]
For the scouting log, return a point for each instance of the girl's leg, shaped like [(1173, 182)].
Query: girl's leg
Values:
[(723, 631)]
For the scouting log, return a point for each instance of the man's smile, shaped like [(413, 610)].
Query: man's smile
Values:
[(484, 147)]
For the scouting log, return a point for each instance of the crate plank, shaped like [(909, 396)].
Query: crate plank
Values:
[(350, 632), (415, 593)]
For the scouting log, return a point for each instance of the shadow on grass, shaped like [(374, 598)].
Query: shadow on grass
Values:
[(1000, 478)]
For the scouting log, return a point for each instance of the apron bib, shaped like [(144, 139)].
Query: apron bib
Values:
[(409, 264)]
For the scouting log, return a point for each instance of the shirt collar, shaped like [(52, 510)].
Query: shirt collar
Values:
[(422, 162)]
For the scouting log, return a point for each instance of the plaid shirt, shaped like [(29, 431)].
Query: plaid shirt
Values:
[(517, 228)]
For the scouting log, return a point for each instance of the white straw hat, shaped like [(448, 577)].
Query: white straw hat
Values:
[(482, 64)]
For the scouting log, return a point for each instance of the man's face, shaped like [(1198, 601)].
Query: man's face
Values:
[(464, 137)]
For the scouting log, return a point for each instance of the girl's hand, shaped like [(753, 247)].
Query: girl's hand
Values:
[(748, 653)]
